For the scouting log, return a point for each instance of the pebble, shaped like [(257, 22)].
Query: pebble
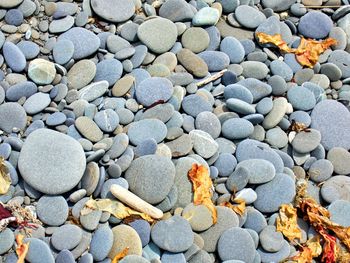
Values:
[(305, 142), (173, 235), (237, 128), (12, 115), (249, 17), (52, 210), (29, 49), (195, 39), (233, 48), (280, 190), (63, 51), (203, 143), (113, 11), (154, 89), (315, 25), (193, 63), (65, 256), (143, 229), (236, 244), (7, 239), (279, 108), (150, 31), (101, 243), (81, 74), (85, 42), (38, 251), (88, 128), (209, 123), (107, 120), (270, 239), (339, 157), (66, 237), (240, 106), (206, 16), (237, 91), (44, 148), (301, 98), (339, 212), (147, 129), (279, 256), (125, 236), (41, 71), (109, 70), (36, 103), (260, 170), (336, 188), (151, 177), (13, 56), (254, 69), (330, 118)]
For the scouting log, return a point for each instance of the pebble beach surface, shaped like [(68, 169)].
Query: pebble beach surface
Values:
[(109, 99)]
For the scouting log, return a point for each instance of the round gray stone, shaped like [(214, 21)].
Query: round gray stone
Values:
[(36, 103), (13, 56), (38, 251), (339, 210), (7, 238), (237, 128), (260, 170), (147, 129), (107, 120), (151, 177), (52, 210), (44, 149), (63, 51), (336, 188), (66, 237), (114, 10), (270, 239), (101, 243), (173, 235), (12, 115), (249, 17), (315, 25), (305, 142)]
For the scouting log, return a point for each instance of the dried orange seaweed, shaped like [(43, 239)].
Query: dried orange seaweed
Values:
[(311, 249), (120, 255), (308, 51), (202, 188), (286, 222), (239, 208), (21, 249), (114, 207)]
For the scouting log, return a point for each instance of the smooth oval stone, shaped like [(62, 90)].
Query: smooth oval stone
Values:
[(340, 158), (81, 74), (277, 5), (199, 217), (260, 170), (274, 117), (237, 91), (56, 119), (151, 177), (107, 120), (61, 25), (63, 51), (252, 149), (142, 228), (195, 39), (88, 128), (174, 234), (226, 219), (101, 243), (236, 243), (195, 104), (206, 16), (19, 90), (114, 10), (93, 91), (279, 256), (147, 129), (233, 48), (280, 68), (270, 239), (9, 4), (341, 59), (66, 237), (38, 251), (339, 211), (208, 122), (183, 10), (280, 190), (109, 70), (12, 115), (13, 56), (41, 71), (336, 188), (237, 128), (85, 42), (332, 119), (193, 63), (254, 69), (44, 149), (301, 98), (321, 170), (215, 60), (125, 236), (258, 88), (29, 49), (154, 89), (240, 106), (315, 25), (52, 210), (65, 256), (305, 142), (249, 17), (36, 103), (7, 239), (203, 143), (153, 30)]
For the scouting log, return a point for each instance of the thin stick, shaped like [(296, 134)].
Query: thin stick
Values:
[(324, 6), (211, 78)]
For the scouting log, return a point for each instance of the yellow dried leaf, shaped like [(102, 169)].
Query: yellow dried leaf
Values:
[(120, 255), (202, 188), (286, 222), (5, 180), (21, 249), (311, 249), (308, 51), (114, 207), (239, 208)]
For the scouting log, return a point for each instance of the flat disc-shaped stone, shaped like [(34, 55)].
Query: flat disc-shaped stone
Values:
[(114, 10)]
